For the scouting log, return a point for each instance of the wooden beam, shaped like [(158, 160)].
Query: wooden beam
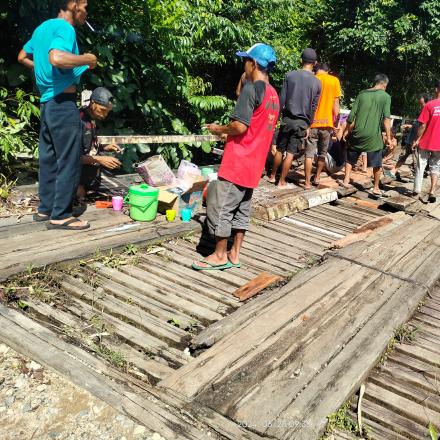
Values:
[(157, 139)]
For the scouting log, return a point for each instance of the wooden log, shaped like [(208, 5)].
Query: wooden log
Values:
[(400, 202), (256, 285)]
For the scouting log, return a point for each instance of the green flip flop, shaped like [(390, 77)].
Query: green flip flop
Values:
[(236, 265), (211, 266)]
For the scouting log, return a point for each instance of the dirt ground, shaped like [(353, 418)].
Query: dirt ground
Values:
[(36, 403)]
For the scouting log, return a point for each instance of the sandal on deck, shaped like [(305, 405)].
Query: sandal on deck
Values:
[(211, 266), (344, 185), (236, 265), (69, 225), (376, 196), (37, 217)]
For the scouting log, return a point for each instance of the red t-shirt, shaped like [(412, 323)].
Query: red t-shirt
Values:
[(430, 116), (245, 155)]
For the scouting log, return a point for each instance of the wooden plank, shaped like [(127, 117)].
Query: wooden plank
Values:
[(128, 333), (154, 370), (256, 285), (167, 261), (392, 421), (160, 329), (400, 202), (150, 305), (162, 295), (245, 314), (345, 373), (299, 351), (294, 302), (157, 139), (80, 247), (212, 309), (403, 406), (39, 343)]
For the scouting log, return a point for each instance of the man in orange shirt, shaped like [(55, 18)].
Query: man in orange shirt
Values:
[(323, 123)]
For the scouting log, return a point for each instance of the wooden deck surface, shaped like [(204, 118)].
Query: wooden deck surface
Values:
[(275, 366)]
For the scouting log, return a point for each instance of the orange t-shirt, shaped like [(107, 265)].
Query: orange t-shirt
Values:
[(331, 89)]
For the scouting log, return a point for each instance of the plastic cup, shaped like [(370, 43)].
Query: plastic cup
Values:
[(170, 215), (186, 214), (117, 202)]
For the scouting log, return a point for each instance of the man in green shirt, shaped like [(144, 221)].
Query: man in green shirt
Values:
[(363, 132)]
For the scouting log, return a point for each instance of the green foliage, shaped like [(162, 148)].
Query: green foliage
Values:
[(172, 68), (432, 431), (18, 111)]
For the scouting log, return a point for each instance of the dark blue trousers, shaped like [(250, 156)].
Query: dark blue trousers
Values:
[(59, 156)]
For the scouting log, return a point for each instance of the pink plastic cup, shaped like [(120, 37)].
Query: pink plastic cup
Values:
[(117, 202)]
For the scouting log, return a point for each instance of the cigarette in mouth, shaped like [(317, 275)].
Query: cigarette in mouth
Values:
[(90, 26)]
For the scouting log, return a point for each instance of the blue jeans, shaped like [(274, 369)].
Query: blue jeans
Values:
[(59, 156)]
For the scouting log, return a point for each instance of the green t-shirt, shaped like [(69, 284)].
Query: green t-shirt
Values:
[(368, 112)]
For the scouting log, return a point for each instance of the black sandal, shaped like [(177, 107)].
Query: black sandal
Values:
[(37, 217), (68, 225)]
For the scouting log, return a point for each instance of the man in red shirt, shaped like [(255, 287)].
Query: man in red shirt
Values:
[(249, 135), (428, 145)]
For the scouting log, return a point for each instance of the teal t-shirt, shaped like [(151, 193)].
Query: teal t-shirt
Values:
[(53, 34), (369, 110)]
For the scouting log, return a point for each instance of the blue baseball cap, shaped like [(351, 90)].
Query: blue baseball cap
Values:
[(263, 54)]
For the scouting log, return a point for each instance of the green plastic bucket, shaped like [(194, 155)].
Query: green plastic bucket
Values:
[(206, 171), (143, 201)]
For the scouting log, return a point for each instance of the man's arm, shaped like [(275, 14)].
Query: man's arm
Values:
[(67, 60), (336, 107), (106, 161), (420, 132), (387, 126), (234, 128), (26, 59), (315, 102)]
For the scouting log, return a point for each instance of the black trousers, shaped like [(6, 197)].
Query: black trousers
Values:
[(59, 156)]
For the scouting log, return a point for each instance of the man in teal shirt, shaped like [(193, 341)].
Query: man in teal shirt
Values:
[(53, 54), (363, 132)]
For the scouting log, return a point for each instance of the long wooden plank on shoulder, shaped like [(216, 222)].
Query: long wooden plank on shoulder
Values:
[(292, 302), (346, 372), (298, 352), (88, 372), (157, 139)]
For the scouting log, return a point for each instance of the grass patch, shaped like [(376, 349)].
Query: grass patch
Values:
[(340, 420)]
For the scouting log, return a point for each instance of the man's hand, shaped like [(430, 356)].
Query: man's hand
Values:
[(114, 148), (415, 144), (91, 60), (307, 133), (273, 149), (108, 162), (215, 129)]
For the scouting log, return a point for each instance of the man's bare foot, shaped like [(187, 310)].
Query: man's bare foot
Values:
[(233, 258), (212, 260), (77, 224), (286, 186)]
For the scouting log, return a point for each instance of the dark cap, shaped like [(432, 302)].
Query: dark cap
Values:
[(309, 55), (102, 96)]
